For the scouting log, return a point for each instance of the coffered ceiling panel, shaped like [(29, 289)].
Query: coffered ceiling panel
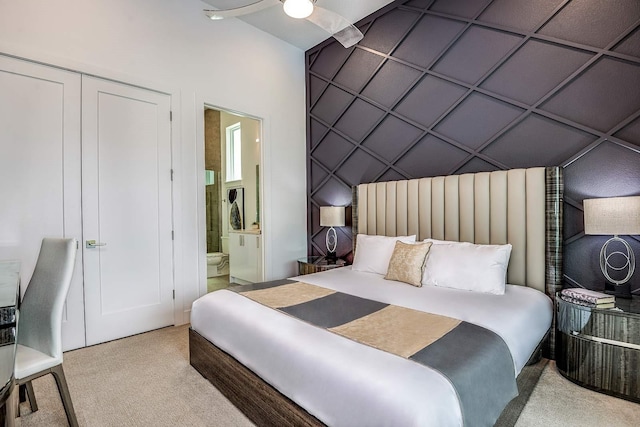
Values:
[(317, 174), (593, 22), (477, 119), (358, 69), (475, 53), (316, 131), (332, 150), (391, 175), (631, 132), (359, 119), (574, 221), (360, 167), (630, 45), (391, 137), (457, 86), (419, 4), (476, 164), (316, 88), (591, 177), (391, 81), (521, 14), (314, 213), (433, 153), (333, 192), (329, 60), (530, 64), (440, 95), (332, 102), (538, 141), (462, 8), (575, 254), (605, 94), (428, 39), (388, 30)]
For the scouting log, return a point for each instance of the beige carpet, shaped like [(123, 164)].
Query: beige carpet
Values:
[(557, 401), (146, 380)]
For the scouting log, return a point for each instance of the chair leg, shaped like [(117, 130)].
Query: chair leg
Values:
[(10, 410), (63, 388), (22, 393), (26, 393), (31, 396)]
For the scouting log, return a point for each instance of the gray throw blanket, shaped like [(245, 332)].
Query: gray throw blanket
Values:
[(475, 360)]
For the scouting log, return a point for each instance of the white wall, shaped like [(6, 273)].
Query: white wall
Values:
[(168, 45)]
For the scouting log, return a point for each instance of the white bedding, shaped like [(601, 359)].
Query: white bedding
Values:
[(340, 389), (503, 314)]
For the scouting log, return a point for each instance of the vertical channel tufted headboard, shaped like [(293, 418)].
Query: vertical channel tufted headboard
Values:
[(519, 206)]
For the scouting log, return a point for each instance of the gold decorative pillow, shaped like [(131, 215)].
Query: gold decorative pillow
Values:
[(407, 262)]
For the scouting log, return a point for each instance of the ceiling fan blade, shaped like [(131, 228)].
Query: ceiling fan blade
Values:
[(238, 11), (336, 25)]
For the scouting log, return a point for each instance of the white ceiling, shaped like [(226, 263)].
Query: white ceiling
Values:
[(299, 32)]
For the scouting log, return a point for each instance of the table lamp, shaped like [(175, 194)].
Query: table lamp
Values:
[(331, 216), (614, 216)]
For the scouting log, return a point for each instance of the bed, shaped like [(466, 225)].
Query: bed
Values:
[(271, 350)]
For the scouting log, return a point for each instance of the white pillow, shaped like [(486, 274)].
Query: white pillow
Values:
[(373, 253), (443, 242), (462, 265)]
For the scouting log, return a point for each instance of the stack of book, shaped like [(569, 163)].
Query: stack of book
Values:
[(588, 298)]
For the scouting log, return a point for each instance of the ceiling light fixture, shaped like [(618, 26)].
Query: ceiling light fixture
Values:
[(298, 8)]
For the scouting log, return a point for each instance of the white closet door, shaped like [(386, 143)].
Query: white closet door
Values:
[(40, 172), (126, 206)]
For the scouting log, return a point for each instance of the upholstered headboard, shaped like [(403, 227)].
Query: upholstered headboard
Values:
[(519, 206)]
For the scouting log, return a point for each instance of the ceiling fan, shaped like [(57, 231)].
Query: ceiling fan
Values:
[(338, 26)]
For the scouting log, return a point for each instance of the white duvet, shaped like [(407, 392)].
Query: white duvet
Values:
[(344, 383)]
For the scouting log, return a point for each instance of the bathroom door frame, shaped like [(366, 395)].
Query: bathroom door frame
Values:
[(201, 105)]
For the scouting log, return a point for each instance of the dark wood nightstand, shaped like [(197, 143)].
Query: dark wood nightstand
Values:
[(315, 264), (600, 348)]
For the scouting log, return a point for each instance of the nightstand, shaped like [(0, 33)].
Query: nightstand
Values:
[(600, 348), (315, 264)]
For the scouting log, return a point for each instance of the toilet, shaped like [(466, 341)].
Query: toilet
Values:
[(218, 262)]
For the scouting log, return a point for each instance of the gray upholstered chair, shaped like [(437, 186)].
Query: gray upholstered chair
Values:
[(39, 349)]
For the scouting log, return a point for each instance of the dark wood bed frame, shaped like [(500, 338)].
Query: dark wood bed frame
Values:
[(257, 400), (266, 406)]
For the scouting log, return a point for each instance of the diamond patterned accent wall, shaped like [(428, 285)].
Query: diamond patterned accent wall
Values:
[(454, 86)]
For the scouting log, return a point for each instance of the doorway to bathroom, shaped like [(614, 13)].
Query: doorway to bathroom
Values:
[(232, 196)]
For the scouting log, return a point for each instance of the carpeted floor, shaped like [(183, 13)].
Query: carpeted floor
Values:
[(146, 380), (557, 401), (527, 381)]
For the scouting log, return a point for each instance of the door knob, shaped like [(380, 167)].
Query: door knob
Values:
[(92, 244)]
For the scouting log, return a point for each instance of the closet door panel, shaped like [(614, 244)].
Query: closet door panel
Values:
[(40, 186), (126, 176)]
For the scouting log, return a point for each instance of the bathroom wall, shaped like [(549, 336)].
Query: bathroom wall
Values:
[(452, 86), (212, 151), (212, 156)]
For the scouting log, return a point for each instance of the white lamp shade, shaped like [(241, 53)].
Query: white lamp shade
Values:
[(332, 216), (298, 8), (612, 216)]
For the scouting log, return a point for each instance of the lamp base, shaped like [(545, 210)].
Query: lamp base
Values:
[(619, 291), (331, 257)]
